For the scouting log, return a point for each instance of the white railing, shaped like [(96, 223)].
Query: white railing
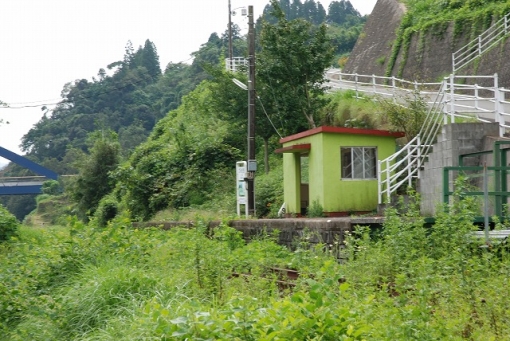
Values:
[(377, 85), (455, 100), (402, 167), (236, 64), (448, 101), (485, 41), (484, 103)]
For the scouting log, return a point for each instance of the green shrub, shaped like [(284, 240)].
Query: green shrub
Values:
[(269, 193), (8, 224), (51, 187), (106, 211), (315, 210)]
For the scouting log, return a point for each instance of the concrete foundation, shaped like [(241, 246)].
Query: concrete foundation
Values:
[(454, 140)]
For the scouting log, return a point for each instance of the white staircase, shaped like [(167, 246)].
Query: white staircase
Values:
[(449, 100)]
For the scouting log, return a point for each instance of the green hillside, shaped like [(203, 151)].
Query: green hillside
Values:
[(192, 117)]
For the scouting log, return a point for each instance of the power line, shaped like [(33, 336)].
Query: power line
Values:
[(49, 102)]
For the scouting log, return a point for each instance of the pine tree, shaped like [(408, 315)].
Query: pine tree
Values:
[(150, 59)]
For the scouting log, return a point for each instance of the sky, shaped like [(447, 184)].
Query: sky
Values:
[(45, 44)]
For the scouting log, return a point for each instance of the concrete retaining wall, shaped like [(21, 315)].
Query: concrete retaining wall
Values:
[(429, 57), (320, 230), (454, 140)]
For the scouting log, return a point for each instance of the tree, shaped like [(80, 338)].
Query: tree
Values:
[(8, 224), (341, 11), (150, 60), (292, 60), (94, 181), (296, 9), (321, 14)]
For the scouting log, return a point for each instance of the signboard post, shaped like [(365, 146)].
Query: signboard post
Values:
[(241, 188)]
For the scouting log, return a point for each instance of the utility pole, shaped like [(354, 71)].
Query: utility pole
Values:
[(230, 48), (252, 163)]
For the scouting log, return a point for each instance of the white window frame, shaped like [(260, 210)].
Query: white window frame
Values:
[(353, 172)]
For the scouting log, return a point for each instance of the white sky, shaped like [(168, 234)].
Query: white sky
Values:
[(47, 43)]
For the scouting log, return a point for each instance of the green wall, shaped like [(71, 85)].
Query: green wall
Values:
[(325, 183)]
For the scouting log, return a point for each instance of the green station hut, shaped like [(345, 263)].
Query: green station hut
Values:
[(334, 167)]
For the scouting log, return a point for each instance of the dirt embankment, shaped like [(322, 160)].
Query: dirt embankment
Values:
[(429, 55)]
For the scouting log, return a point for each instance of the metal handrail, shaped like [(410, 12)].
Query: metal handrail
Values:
[(236, 64), (478, 46), (448, 100)]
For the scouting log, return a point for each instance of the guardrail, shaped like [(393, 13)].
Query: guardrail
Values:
[(405, 165), (484, 42), (23, 179), (483, 103), (378, 85), (448, 101), (236, 64)]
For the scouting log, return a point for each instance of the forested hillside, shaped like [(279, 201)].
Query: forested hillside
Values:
[(132, 94)]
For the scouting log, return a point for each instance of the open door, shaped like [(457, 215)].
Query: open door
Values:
[(305, 196)]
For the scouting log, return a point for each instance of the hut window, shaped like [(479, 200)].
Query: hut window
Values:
[(359, 162)]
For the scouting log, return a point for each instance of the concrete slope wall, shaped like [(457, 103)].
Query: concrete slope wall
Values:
[(375, 42), (455, 139), (429, 55)]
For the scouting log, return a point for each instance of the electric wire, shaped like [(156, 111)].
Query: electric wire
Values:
[(51, 102), (265, 112)]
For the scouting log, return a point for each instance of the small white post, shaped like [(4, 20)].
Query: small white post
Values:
[(388, 182), (452, 98), (445, 100), (418, 151), (476, 96), (394, 89), (499, 96), (379, 179), (356, 83)]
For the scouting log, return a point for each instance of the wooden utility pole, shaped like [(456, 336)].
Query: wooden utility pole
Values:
[(252, 163), (230, 48)]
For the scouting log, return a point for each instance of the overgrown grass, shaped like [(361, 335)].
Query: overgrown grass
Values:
[(346, 110), (407, 282)]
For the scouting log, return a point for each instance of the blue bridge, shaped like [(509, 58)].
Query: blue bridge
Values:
[(24, 185)]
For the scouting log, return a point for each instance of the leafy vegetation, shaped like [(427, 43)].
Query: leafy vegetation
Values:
[(404, 282), (345, 109), (344, 22), (406, 114), (8, 224), (469, 18), (94, 180), (292, 60), (131, 95)]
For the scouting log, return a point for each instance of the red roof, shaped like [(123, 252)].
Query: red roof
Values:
[(342, 130)]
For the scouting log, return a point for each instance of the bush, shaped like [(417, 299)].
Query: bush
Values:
[(106, 211), (51, 187), (269, 193), (8, 224), (315, 210)]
